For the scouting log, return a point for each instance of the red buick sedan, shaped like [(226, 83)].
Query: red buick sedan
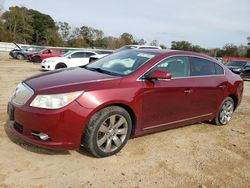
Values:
[(126, 94)]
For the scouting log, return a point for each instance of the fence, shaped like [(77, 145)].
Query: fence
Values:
[(227, 59), (6, 47)]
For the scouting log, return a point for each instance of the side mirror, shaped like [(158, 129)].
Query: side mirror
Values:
[(69, 57), (160, 75)]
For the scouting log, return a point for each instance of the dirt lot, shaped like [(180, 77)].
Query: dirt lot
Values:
[(200, 155)]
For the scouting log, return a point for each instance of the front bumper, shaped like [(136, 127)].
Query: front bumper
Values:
[(46, 66), (64, 126)]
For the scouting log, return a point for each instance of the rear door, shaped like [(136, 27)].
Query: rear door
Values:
[(79, 58), (209, 84)]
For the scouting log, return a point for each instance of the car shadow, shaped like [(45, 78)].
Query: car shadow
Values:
[(30, 147)]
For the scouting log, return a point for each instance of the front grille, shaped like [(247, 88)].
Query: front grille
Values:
[(22, 94), (18, 127)]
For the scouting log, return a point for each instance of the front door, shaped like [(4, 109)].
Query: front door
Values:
[(166, 102)]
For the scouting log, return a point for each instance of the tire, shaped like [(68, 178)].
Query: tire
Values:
[(20, 56), (225, 112), (107, 131), (36, 59), (60, 66)]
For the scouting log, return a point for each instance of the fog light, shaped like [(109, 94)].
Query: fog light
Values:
[(42, 136)]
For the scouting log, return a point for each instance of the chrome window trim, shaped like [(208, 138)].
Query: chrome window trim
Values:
[(178, 121), (216, 75)]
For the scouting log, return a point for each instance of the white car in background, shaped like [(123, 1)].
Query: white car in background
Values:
[(129, 47), (69, 59)]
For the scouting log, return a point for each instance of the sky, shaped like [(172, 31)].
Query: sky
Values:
[(208, 23)]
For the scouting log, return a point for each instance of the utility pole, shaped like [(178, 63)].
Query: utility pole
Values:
[(248, 40)]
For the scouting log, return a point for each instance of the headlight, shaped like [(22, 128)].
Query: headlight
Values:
[(54, 101)]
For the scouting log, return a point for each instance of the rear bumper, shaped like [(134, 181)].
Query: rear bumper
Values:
[(64, 127)]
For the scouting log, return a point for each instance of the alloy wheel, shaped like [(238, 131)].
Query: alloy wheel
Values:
[(112, 133), (226, 112)]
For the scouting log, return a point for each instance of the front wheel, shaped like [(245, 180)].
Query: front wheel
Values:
[(20, 56), (36, 59), (225, 112), (107, 131), (60, 66)]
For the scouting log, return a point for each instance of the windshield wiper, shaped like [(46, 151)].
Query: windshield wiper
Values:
[(102, 71)]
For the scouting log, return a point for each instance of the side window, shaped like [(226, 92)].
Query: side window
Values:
[(46, 51), (88, 54), (178, 66), (78, 55), (201, 67), (219, 70)]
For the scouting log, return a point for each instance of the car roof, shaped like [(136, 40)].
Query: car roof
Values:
[(165, 52)]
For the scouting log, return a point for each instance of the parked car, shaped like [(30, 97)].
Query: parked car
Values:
[(96, 57), (45, 53), (129, 47), (69, 59), (240, 67), (126, 94), (21, 52), (100, 55)]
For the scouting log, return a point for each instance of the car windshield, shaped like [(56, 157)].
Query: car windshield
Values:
[(237, 63), (104, 52), (66, 54), (121, 63)]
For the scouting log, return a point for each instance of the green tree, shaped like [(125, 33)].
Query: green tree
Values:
[(126, 38), (98, 36), (154, 43), (181, 45), (42, 25), (64, 30), (141, 42), (88, 35), (18, 23), (248, 52), (230, 50)]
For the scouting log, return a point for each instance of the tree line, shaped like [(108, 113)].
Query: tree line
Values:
[(28, 26)]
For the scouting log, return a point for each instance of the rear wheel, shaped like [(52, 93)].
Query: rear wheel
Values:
[(60, 66), (107, 131), (225, 112)]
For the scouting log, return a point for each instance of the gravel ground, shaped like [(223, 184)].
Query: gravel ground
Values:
[(200, 155)]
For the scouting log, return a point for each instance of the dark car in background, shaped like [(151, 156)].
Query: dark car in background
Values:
[(21, 52), (240, 67)]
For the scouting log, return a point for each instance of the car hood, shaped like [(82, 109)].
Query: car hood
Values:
[(54, 58), (71, 78), (232, 67)]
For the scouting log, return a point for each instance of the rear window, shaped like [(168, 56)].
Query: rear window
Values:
[(218, 69), (202, 67)]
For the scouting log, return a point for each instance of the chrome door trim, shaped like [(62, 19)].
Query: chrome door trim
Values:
[(180, 55), (173, 122)]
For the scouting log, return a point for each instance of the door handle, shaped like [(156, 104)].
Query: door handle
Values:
[(188, 91), (222, 86)]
